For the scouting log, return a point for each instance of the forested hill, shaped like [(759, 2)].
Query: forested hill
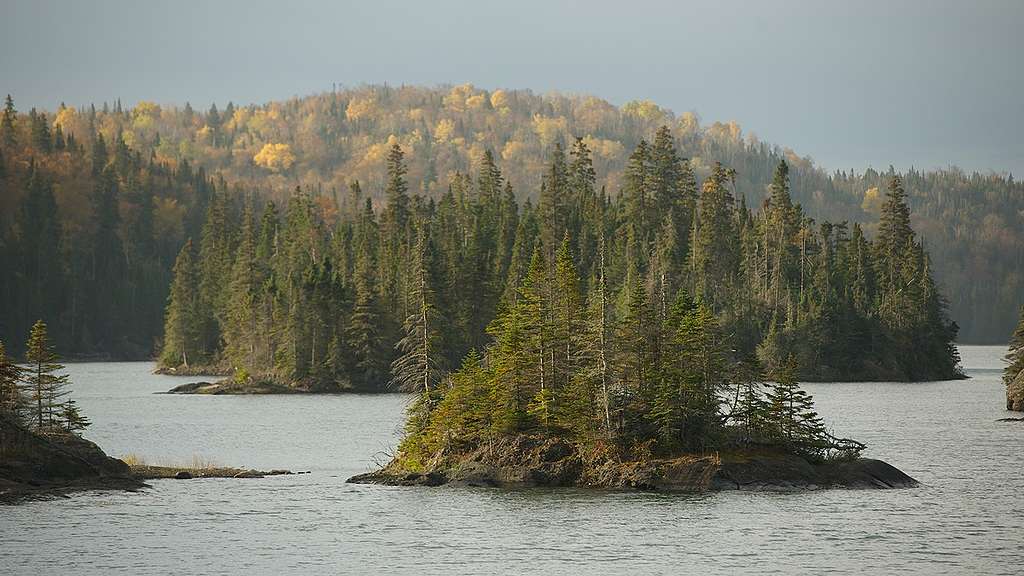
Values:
[(973, 225)]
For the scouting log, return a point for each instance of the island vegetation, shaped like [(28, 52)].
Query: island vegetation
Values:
[(359, 301), (96, 202), (1013, 374)]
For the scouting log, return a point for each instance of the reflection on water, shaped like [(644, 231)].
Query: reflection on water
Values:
[(967, 518)]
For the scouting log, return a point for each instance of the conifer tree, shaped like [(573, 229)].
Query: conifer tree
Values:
[(242, 330), (7, 119), (216, 245), (46, 386), (792, 410), (40, 131), (369, 367), (396, 215), (419, 367), (73, 419), (12, 399), (552, 205), (183, 323)]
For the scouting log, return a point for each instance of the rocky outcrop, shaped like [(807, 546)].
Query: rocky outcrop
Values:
[(524, 461), (147, 472), (195, 370), (262, 386), (232, 387), (37, 465)]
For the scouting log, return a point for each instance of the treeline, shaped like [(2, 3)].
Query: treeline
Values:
[(88, 232), (336, 294), (35, 393), (973, 224)]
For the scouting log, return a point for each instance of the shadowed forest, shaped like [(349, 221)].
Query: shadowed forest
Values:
[(96, 203)]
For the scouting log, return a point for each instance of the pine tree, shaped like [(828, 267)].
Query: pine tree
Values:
[(1013, 374), (45, 385)]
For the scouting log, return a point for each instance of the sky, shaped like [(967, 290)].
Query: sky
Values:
[(923, 83)]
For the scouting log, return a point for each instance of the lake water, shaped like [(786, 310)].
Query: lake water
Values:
[(967, 518)]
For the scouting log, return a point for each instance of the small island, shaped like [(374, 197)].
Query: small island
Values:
[(663, 402)]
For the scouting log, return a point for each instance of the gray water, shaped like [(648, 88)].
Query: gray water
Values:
[(967, 518)]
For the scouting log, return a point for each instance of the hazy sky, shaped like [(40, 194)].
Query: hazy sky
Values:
[(852, 84)]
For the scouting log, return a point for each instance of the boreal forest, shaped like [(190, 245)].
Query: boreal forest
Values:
[(332, 199)]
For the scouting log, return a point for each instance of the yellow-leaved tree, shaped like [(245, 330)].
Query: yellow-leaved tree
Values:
[(275, 157)]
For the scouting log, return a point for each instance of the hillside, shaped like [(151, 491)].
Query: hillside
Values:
[(972, 224)]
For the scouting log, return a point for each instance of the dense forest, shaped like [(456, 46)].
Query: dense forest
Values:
[(95, 203), (338, 296)]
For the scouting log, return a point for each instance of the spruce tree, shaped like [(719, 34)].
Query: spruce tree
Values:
[(792, 412), (46, 386), (369, 368), (419, 367), (7, 119), (242, 330), (73, 419), (183, 322)]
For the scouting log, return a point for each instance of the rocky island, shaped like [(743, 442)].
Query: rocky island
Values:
[(530, 461), (663, 402)]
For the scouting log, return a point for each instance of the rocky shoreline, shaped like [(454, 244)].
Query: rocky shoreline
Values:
[(149, 472), (39, 466), (524, 462), (232, 387)]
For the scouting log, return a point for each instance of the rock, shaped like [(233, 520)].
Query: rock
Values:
[(527, 461), (53, 464), (191, 388), (249, 474), (183, 475)]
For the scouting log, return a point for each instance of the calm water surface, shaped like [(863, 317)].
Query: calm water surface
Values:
[(967, 518)]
